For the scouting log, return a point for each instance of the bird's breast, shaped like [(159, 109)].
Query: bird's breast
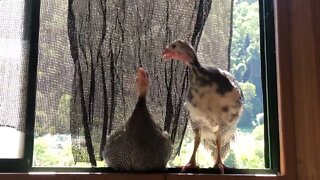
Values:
[(212, 112)]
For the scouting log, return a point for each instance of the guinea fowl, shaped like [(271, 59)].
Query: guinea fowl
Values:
[(214, 102), (141, 144)]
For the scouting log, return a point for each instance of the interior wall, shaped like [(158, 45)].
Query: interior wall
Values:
[(305, 56)]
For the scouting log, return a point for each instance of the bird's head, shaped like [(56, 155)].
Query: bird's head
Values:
[(142, 82), (180, 50)]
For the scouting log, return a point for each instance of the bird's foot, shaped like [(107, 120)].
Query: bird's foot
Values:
[(221, 167), (189, 166)]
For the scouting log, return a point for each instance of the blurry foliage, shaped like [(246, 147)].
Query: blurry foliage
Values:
[(249, 92), (245, 59), (64, 114), (49, 150), (53, 151), (249, 149), (258, 132)]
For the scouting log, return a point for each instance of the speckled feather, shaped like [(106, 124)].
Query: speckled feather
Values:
[(215, 103), (140, 145)]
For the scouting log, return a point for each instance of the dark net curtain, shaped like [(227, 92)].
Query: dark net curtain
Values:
[(14, 48), (89, 51), (215, 42), (55, 70)]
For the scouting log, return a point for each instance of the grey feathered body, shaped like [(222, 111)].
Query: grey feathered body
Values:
[(140, 145), (215, 104)]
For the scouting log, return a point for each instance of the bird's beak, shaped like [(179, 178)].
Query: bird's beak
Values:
[(166, 54)]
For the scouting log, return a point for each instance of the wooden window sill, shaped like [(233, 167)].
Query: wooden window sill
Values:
[(116, 176)]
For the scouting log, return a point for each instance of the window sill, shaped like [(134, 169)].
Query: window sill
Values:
[(115, 176)]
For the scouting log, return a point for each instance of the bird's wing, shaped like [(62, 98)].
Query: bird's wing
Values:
[(234, 82)]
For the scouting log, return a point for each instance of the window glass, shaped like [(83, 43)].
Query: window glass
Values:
[(88, 62)]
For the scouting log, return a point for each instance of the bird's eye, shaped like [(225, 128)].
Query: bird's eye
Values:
[(173, 46)]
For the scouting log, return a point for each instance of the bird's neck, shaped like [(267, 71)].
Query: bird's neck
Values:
[(198, 72), (194, 63), (140, 116), (140, 109), (141, 125), (142, 102)]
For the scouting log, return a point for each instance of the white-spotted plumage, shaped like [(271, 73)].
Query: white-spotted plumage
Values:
[(215, 114)]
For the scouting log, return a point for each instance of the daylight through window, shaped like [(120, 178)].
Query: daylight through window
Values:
[(88, 54)]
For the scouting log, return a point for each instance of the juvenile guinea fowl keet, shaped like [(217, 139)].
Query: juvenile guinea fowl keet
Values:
[(214, 101), (141, 144)]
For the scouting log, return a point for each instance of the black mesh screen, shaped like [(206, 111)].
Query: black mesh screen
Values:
[(14, 49)]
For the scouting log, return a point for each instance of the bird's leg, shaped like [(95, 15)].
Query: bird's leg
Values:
[(192, 161), (219, 163)]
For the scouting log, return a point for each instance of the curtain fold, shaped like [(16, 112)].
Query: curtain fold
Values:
[(14, 48), (215, 43)]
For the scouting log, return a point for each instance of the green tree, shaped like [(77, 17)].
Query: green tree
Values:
[(245, 60), (249, 92), (64, 114)]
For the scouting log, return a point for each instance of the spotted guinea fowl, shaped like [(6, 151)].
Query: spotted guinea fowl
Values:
[(141, 144), (214, 102)]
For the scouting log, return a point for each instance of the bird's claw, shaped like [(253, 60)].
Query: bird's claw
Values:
[(221, 167), (189, 166)]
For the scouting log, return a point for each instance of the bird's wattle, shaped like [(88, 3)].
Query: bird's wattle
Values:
[(166, 54)]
